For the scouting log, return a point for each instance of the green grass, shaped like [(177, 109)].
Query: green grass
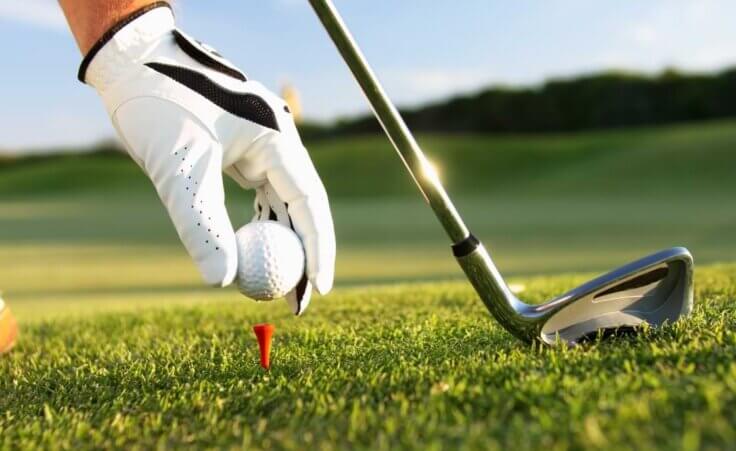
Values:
[(405, 366), (546, 203), (683, 159), (122, 347)]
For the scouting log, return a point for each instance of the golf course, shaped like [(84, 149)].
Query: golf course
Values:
[(121, 345)]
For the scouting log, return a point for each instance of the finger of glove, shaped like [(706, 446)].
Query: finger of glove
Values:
[(296, 182), (184, 162), (270, 207), (298, 299), (261, 208)]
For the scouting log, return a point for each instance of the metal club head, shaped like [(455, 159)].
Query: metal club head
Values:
[(655, 289)]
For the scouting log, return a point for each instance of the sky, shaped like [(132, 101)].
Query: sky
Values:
[(423, 50)]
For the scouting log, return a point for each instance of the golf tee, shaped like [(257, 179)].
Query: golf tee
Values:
[(264, 332)]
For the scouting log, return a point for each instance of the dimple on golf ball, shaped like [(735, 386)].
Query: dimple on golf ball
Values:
[(270, 260)]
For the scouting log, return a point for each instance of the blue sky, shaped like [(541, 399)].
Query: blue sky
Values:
[(422, 50)]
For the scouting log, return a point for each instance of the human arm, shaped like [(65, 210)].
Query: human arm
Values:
[(186, 115), (90, 19)]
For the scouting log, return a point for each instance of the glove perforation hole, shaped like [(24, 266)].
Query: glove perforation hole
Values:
[(190, 188)]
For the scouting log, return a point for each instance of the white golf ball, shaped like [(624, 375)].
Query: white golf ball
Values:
[(270, 260)]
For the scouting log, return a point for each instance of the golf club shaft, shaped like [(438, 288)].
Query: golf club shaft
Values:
[(403, 141), (469, 252), (525, 321)]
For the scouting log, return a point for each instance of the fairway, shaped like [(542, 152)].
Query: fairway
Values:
[(122, 346), (541, 203), (407, 366)]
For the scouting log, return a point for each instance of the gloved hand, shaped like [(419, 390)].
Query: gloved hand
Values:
[(186, 115)]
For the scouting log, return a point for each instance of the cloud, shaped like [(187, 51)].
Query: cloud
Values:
[(643, 34), (290, 3), (39, 13), (689, 35), (419, 84)]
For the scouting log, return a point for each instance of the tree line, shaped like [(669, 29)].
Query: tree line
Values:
[(599, 101)]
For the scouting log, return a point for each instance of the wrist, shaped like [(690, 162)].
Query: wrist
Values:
[(126, 40), (90, 19)]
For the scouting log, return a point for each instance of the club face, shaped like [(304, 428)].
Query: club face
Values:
[(657, 289), (653, 290)]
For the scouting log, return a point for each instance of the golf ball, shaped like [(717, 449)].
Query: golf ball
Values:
[(270, 260)]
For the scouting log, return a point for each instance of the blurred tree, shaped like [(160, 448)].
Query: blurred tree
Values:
[(606, 100)]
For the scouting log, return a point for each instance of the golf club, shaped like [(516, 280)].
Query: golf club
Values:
[(653, 290)]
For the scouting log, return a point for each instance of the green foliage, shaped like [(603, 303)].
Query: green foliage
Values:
[(606, 100), (403, 367), (691, 158), (68, 174)]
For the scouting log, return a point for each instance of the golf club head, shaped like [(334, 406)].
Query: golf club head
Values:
[(655, 290)]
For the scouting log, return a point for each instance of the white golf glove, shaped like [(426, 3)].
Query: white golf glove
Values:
[(186, 115)]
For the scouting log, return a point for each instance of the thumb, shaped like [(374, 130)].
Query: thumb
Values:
[(184, 163)]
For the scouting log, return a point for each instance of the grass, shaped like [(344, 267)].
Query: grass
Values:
[(658, 161), (121, 346), (545, 203), (404, 366)]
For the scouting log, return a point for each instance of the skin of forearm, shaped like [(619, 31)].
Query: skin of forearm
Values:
[(90, 19)]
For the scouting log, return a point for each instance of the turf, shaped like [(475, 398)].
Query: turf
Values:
[(407, 366), (542, 203), (121, 346)]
